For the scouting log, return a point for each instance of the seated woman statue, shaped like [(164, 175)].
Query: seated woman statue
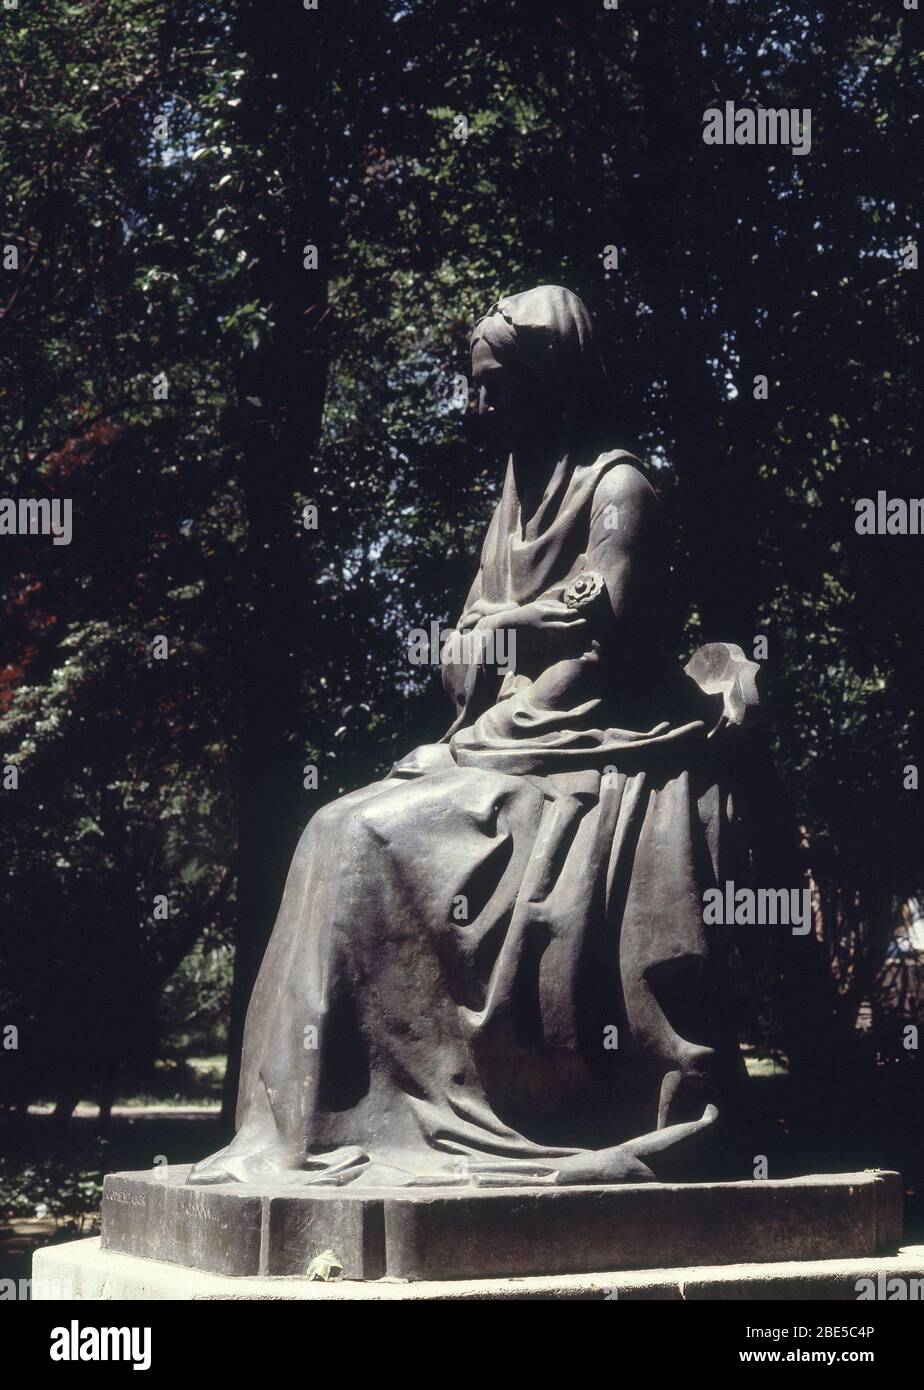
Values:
[(491, 968)]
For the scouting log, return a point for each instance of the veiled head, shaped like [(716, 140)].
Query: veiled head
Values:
[(536, 369)]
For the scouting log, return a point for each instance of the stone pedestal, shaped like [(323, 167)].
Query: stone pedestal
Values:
[(418, 1234), (81, 1270)]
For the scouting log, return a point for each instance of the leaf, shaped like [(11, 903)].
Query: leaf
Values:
[(325, 1266)]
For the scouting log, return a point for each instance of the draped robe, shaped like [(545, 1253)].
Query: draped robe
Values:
[(492, 966)]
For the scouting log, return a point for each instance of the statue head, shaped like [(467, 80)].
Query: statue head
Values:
[(536, 369)]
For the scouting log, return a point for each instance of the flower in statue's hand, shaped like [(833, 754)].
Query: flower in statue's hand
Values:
[(587, 589)]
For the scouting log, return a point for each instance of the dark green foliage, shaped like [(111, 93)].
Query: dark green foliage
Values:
[(337, 127)]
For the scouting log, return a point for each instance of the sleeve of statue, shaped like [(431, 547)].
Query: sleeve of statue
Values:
[(618, 587), (471, 685)]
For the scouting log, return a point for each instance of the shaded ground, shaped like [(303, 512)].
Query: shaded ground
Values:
[(45, 1168), (18, 1239)]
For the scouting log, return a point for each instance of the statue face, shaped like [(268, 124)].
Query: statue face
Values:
[(512, 401)]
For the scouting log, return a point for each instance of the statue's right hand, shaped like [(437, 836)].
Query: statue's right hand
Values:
[(483, 611), (545, 623)]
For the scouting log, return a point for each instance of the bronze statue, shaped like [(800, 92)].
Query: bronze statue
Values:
[(492, 966)]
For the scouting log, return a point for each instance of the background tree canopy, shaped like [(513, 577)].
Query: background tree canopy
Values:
[(173, 362)]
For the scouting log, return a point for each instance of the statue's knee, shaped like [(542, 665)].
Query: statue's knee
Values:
[(336, 817), (328, 818)]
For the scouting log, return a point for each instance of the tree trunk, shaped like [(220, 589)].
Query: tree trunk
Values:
[(281, 389)]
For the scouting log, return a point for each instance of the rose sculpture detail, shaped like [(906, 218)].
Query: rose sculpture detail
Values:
[(587, 589)]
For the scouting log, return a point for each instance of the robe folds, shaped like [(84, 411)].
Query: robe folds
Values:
[(491, 967)]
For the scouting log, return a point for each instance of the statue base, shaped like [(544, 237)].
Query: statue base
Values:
[(257, 1231), (81, 1270)]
